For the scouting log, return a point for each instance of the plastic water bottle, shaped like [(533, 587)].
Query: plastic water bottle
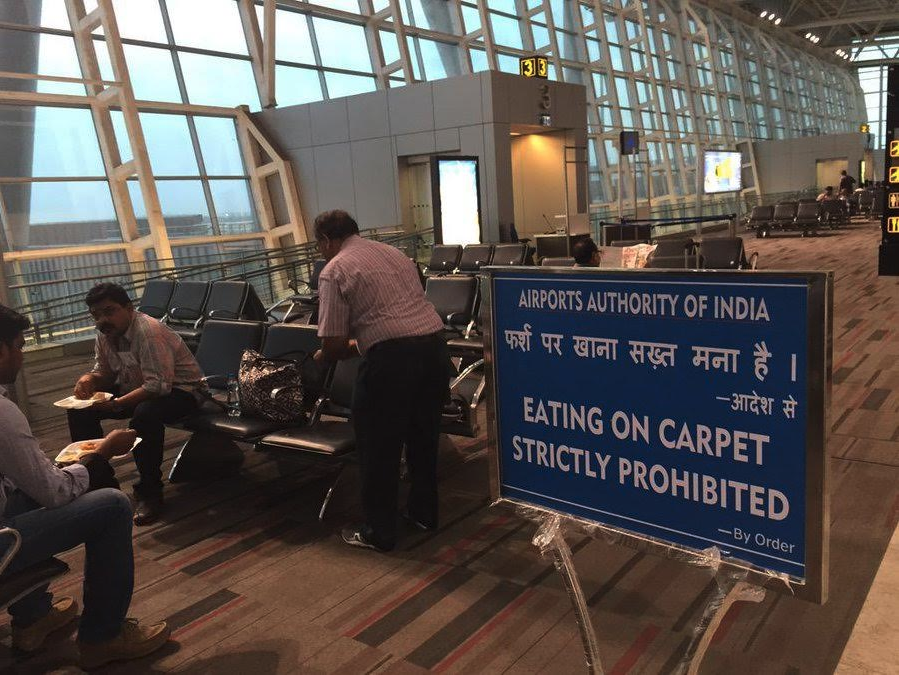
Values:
[(233, 396)]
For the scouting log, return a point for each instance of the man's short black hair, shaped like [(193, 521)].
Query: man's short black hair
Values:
[(11, 324), (829, 188), (107, 291), (583, 251), (336, 224)]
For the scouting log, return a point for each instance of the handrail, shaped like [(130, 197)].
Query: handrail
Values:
[(56, 319)]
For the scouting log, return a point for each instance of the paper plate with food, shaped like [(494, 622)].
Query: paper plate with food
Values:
[(73, 451), (75, 403)]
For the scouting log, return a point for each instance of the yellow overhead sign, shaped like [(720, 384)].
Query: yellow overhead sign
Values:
[(894, 174), (893, 225), (894, 148), (894, 200), (864, 128), (533, 66)]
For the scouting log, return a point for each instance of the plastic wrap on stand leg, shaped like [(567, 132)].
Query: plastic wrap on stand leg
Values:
[(732, 587), (710, 557), (550, 539)]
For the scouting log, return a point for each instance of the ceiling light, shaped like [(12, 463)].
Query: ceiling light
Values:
[(764, 13), (808, 35), (771, 16), (777, 21)]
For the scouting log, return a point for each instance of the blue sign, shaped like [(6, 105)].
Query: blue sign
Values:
[(672, 405)]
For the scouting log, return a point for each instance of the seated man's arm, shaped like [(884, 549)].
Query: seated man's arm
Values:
[(23, 462)]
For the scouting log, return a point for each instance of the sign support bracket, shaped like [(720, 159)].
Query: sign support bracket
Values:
[(730, 590), (549, 539)]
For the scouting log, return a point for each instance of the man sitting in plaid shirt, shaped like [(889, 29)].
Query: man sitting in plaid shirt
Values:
[(154, 378)]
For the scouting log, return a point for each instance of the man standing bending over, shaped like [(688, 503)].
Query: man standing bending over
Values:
[(371, 300), (154, 378), (55, 510)]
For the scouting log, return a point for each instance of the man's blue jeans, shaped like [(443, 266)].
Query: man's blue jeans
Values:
[(101, 520)]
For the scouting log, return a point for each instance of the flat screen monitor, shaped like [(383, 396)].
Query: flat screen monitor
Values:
[(722, 171), (459, 215)]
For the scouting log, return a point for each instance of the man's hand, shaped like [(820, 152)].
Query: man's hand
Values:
[(117, 442), (105, 406), (336, 349), (85, 387)]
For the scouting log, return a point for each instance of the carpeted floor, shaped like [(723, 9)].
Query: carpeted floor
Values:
[(252, 583)]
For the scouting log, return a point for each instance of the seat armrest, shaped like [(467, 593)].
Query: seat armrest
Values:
[(209, 379), (10, 552), (457, 319), (465, 373), (222, 314), (317, 409), (170, 315)]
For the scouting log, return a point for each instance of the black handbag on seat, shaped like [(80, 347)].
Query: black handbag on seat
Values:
[(260, 377)]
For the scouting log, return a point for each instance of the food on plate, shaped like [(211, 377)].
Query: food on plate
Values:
[(88, 446)]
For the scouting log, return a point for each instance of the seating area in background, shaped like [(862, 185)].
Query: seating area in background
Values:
[(455, 259), (186, 306), (457, 300), (808, 215), (216, 430), (322, 434), (302, 305), (718, 253)]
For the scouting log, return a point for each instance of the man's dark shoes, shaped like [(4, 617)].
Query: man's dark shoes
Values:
[(147, 510), (360, 538), (419, 524)]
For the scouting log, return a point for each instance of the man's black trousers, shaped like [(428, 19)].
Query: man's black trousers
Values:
[(148, 419), (397, 402)]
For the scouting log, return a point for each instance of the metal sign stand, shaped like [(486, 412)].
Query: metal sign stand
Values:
[(549, 539), (729, 591)]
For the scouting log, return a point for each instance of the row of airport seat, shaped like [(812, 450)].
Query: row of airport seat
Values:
[(720, 253), (327, 389), (187, 305), (803, 216), (324, 435), (469, 259), (726, 253)]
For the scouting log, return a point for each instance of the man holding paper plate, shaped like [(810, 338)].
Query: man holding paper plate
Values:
[(154, 380)]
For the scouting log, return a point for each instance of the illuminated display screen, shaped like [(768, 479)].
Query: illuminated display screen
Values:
[(459, 212), (721, 172)]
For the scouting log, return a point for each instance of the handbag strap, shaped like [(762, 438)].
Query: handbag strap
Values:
[(283, 357)]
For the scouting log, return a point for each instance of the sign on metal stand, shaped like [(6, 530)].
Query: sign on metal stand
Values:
[(684, 411)]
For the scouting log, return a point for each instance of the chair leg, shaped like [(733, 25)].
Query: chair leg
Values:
[(206, 455), (321, 513)]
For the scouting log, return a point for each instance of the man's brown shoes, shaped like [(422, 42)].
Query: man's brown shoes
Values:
[(30, 639), (134, 641)]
